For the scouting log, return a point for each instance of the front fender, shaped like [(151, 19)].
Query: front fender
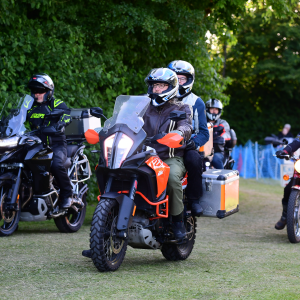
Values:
[(296, 187), (126, 206)]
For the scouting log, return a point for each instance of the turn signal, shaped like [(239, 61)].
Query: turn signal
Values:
[(286, 177)]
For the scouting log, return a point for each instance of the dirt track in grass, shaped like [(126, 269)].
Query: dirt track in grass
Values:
[(240, 257)]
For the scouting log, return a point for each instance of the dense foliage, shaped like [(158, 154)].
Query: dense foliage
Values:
[(264, 66)]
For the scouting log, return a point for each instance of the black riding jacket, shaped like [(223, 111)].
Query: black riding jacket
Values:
[(36, 116)]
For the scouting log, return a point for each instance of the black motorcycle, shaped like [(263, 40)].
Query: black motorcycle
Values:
[(28, 191)]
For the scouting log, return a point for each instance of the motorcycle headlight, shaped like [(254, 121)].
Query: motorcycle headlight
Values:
[(122, 149), (9, 142), (297, 166), (108, 149)]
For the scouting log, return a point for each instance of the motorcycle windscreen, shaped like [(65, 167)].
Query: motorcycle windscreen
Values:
[(13, 115), (128, 110)]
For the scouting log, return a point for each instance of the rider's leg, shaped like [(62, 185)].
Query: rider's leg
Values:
[(286, 194), (61, 175), (193, 192), (218, 160), (174, 191)]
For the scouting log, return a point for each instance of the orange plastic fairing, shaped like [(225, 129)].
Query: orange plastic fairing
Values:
[(92, 137), (162, 171), (172, 140)]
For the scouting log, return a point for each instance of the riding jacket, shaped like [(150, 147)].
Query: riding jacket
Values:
[(201, 134), (36, 116), (155, 116), (221, 135)]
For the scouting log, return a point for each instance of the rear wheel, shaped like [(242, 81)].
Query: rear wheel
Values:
[(293, 217), (9, 219), (72, 221), (182, 251), (108, 250)]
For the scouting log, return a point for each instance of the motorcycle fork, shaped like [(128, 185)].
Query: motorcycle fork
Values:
[(13, 205)]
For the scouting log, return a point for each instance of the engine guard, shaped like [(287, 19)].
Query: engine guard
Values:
[(126, 206)]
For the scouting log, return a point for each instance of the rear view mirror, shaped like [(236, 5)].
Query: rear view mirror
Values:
[(177, 115), (96, 112)]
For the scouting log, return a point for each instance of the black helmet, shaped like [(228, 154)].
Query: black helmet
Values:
[(41, 83), (181, 67), (162, 75), (216, 104)]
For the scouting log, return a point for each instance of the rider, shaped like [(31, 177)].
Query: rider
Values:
[(186, 76), (288, 150), (162, 89), (42, 89), (221, 131)]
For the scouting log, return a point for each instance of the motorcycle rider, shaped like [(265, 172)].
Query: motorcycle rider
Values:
[(162, 89), (221, 131), (186, 76), (42, 90), (287, 151)]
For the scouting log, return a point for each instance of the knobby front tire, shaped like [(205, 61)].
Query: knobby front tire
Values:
[(293, 217), (107, 250)]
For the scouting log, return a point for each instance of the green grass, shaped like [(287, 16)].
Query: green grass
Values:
[(240, 257)]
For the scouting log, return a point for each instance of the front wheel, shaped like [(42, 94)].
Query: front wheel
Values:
[(107, 249), (293, 217), (9, 220), (182, 251), (72, 221)]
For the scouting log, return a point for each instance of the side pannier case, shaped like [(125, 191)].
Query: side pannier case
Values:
[(82, 120), (220, 193)]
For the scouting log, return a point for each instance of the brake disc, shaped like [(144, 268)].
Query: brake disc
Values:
[(113, 243), (7, 217)]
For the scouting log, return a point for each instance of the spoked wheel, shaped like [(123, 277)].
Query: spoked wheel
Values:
[(182, 251), (72, 221), (107, 249), (293, 217), (9, 219)]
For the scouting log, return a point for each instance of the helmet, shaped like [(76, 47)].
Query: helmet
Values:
[(162, 75), (181, 67), (39, 83), (213, 103)]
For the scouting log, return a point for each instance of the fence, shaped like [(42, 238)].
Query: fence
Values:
[(257, 161)]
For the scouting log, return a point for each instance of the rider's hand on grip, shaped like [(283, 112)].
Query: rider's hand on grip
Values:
[(282, 154), (190, 145), (157, 137)]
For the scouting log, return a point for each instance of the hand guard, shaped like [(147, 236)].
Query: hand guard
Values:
[(190, 145), (282, 154)]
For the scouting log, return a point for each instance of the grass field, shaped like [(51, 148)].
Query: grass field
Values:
[(240, 257)]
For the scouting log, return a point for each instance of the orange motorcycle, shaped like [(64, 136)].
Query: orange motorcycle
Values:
[(132, 179)]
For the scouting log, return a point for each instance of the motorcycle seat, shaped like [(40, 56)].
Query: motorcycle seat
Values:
[(71, 150)]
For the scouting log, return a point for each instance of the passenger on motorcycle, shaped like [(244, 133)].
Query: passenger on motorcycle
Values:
[(221, 131), (42, 90), (192, 158), (162, 89), (288, 150)]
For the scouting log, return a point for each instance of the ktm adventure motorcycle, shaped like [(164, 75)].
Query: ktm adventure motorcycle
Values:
[(28, 191), (133, 206), (293, 208)]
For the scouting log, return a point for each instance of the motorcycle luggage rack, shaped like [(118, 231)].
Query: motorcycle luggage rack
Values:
[(160, 212)]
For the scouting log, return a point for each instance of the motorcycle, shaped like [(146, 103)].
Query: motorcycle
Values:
[(132, 179), (28, 191), (293, 209)]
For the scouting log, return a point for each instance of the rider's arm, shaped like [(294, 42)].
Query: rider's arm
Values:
[(201, 132), (221, 133), (185, 126), (293, 146), (65, 119)]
